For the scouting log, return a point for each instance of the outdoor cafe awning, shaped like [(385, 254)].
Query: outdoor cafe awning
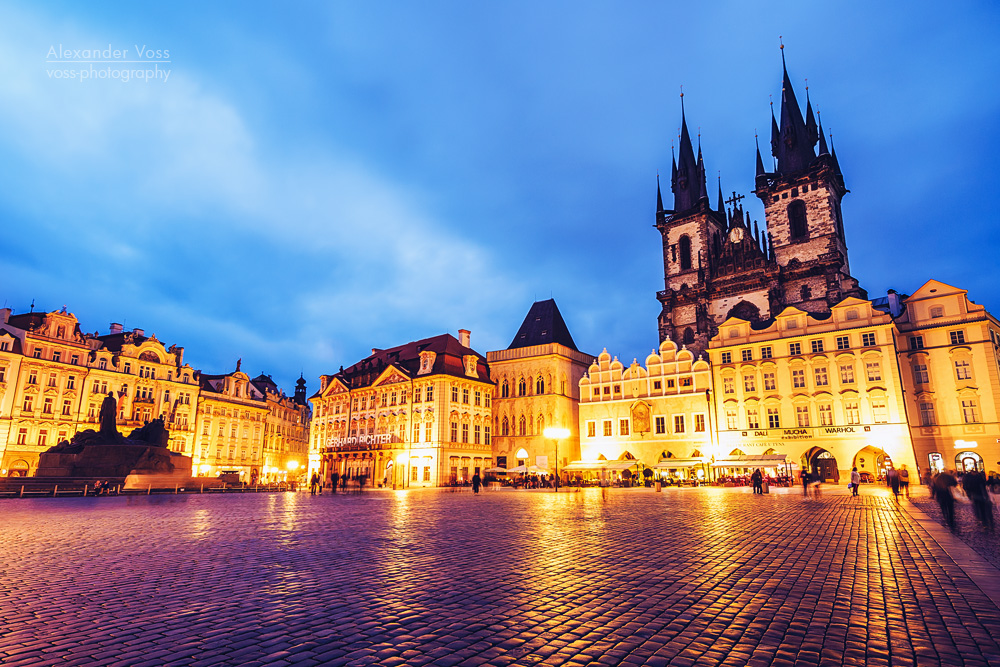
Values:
[(668, 464), (751, 460), (520, 470), (618, 466), (496, 471), (584, 465)]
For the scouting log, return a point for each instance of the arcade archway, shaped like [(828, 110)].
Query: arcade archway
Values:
[(873, 461), (823, 464), (969, 462)]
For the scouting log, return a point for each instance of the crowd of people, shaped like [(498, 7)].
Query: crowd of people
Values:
[(976, 487)]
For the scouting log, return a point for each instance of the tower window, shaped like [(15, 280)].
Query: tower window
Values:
[(685, 244), (798, 229)]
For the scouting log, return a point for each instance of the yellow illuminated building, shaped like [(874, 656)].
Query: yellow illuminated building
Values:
[(537, 386), (949, 356), (54, 379), (286, 431), (645, 416), (414, 415), (231, 419), (824, 392)]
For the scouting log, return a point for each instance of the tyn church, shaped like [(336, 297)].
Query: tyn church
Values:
[(717, 264)]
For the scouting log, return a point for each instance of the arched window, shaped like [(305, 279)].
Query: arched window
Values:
[(805, 292), (797, 226), (540, 385), (541, 424), (505, 427), (522, 426), (504, 390), (688, 336), (685, 244), (522, 387)]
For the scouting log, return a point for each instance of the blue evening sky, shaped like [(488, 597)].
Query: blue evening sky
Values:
[(317, 179)]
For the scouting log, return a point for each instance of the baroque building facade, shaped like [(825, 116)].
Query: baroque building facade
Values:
[(415, 415), (54, 377), (718, 264), (537, 386)]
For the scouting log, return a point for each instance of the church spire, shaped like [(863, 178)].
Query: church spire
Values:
[(659, 197), (722, 204), (702, 177), (760, 162), (823, 150), (795, 145), (684, 183)]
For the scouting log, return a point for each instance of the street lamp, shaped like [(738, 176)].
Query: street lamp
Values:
[(556, 433)]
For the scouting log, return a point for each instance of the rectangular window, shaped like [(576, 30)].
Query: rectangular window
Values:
[(957, 337), (454, 394), (477, 434), (71, 382), (769, 381), (661, 425), (795, 349), (22, 436), (47, 406), (57, 356), (798, 378), (38, 355), (465, 396), (657, 385), (773, 419), (851, 412), (478, 398), (847, 373), (75, 359), (67, 406), (728, 386), (916, 342), (454, 431), (963, 371), (765, 352), (843, 342), (826, 415), (821, 377), (874, 370), (416, 395), (3, 374), (607, 428), (597, 392), (591, 429), (749, 383), (415, 471), (970, 412), (622, 427), (678, 423), (429, 394), (816, 346), (27, 404), (607, 390), (392, 398), (428, 431), (699, 423), (427, 473), (487, 400), (618, 389), (731, 418), (727, 357), (747, 355), (879, 413), (33, 378), (465, 433), (753, 418), (868, 339), (926, 413), (486, 434), (920, 374), (802, 415), (43, 435)]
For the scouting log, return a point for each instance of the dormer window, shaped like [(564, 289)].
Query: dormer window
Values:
[(470, 365), (426, 362)]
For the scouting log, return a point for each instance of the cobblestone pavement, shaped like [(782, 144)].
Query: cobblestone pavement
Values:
[(625, 577), (985, 542)]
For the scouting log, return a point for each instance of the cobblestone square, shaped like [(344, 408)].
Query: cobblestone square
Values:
[(621, 577)]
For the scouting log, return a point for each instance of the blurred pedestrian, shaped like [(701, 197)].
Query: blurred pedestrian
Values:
[(904, 481), (313, 483), (804, 474), (476, 483), (333, 481), (892, 476), (943, 484), (855, 480), (758, 481), (974, 485)]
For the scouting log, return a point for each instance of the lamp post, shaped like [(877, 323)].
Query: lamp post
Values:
[(556, 433)]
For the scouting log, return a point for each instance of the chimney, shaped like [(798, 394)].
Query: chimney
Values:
[(4, 315), (138, 332), (464, 336), (116, 328)]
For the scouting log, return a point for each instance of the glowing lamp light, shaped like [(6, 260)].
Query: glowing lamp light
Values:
[(403, 458), (293, 465), (965, 444), (556, 432)]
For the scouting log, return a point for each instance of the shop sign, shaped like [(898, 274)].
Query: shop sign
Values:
[(373, 439)]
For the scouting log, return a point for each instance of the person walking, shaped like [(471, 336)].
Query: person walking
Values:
[(333, 481), (804, 474), (313, 483), (974, 485), (476, 483), (892, 476), (943, 484), (855, 480), (904, 481), (758, 482)]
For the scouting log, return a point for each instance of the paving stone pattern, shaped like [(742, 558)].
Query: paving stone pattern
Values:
[(624, 577)]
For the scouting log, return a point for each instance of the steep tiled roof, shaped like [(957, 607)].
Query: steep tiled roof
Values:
[(543, 324), (448, 360)]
